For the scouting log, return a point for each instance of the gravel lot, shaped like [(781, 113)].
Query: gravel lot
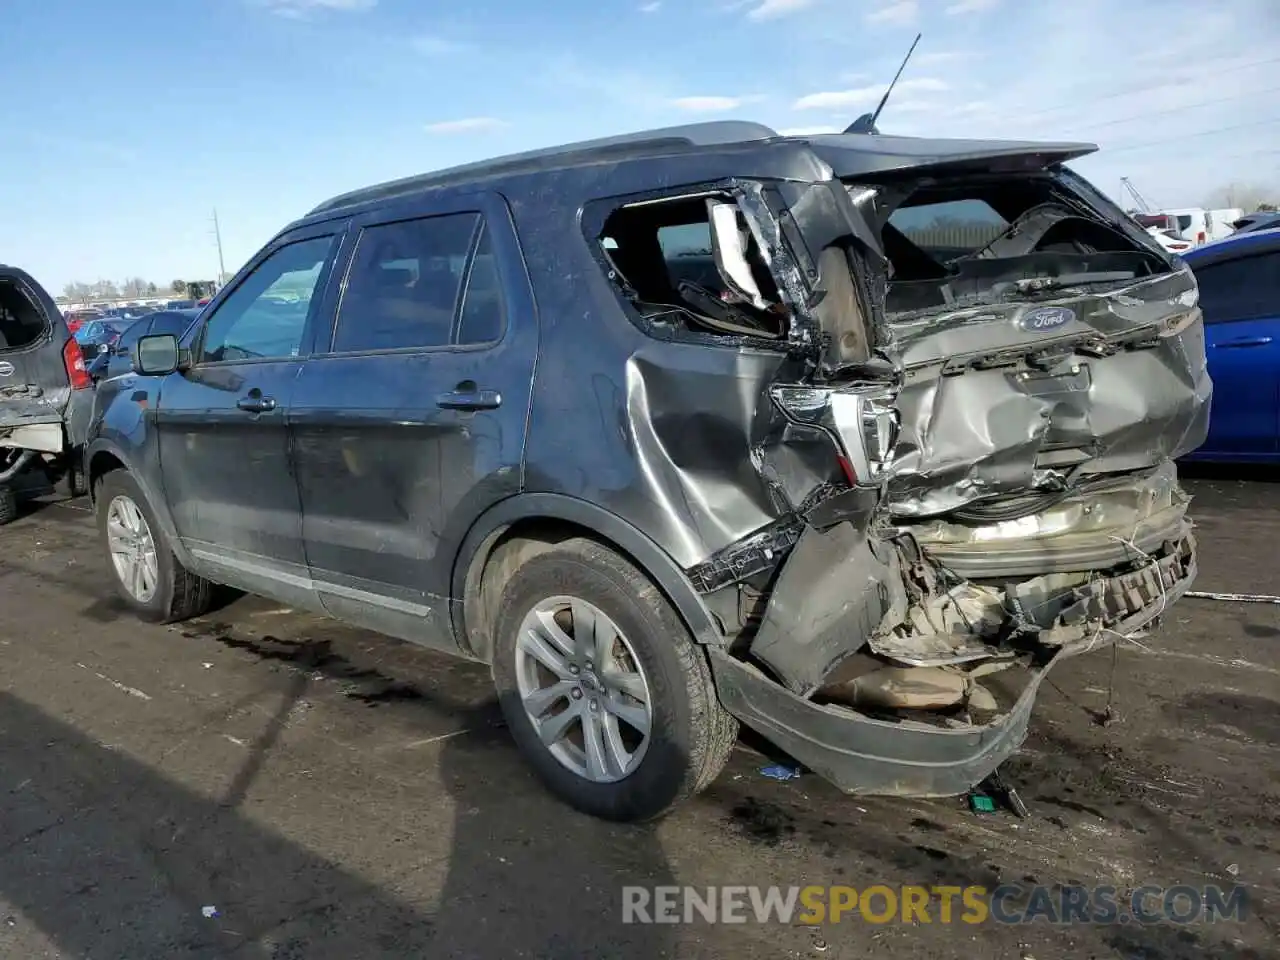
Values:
[(335, 794)]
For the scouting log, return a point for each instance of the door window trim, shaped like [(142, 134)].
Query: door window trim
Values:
[(336, 234), (1272, 252), (495, 221), (361, 228)]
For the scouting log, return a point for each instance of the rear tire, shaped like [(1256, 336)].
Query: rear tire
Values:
[(8, 505), (163, 591), (641, 647)]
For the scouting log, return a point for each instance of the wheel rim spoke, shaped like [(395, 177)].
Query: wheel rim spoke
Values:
[(636, 717), (615, 749), (535, 644), (553, 729), (593, 739), (542, 699), (632, 684), (553, 634)]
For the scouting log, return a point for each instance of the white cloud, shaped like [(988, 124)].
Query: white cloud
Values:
[(651, 7), (300, 9), (772, 9), (838, 99), (707, 104), (971, 6), (465, 125), (862, 96), (898, 13), (434, 46)]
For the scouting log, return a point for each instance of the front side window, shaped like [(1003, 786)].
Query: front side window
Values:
[(403, 287), (1243, 289), (265, 317)]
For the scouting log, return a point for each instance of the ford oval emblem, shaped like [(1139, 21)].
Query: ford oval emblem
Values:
[(6, 368), (1045, 318)]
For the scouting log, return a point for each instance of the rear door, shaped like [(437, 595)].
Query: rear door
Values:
[(1241, 302), (224, 446), (412, 417), (35, 350)]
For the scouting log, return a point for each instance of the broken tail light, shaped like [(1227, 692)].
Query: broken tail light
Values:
[(861, 421)]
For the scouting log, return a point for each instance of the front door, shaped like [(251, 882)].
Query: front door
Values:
[(413, 421), (224, 445), (1241, 302)]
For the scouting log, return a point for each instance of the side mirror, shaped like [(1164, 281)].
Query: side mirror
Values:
[(156, 355)]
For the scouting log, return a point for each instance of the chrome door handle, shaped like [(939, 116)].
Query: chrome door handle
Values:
[(256, 404)]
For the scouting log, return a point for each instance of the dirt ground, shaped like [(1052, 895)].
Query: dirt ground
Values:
[(335, 794)]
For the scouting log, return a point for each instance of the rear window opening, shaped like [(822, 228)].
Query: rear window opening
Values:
[(22, 322), (978, 240), (664, 263)]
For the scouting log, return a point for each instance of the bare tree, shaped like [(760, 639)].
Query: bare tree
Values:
[(151, 289), (105, 290), (134, 287), (78, 291), (1246, 196), (178, 286)]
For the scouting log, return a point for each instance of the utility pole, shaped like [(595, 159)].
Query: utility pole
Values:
[(217, 235)]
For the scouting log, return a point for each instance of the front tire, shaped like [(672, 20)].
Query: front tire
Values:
[(602, 686), (147, 576)]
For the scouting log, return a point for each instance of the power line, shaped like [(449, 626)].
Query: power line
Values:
[(1190, 136), (1185, 106), (1129, 93)]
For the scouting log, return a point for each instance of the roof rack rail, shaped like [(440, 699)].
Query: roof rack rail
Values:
[(711, 133)]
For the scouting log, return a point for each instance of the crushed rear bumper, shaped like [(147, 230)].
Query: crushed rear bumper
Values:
[(865, 755)]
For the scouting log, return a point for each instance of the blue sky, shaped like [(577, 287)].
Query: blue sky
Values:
[(125, 124)]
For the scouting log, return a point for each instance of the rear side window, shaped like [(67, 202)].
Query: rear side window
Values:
[(22, 323), (404, 289), (482, 310), (1242, 289)]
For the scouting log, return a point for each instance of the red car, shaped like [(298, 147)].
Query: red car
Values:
[(76, 318)]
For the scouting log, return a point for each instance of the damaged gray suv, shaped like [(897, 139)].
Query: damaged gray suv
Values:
[(848, 438)]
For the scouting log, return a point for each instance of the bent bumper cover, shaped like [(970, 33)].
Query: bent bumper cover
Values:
[(863, 755)]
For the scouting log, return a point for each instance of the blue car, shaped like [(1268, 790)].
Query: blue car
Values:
[(117, 358), (1239, 281), (100, 335)]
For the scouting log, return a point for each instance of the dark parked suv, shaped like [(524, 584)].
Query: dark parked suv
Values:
[(850, 438)]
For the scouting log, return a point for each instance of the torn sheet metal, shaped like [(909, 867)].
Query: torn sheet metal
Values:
[(834, 591)]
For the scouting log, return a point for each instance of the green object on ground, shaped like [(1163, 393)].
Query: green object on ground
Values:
[(981, 803)]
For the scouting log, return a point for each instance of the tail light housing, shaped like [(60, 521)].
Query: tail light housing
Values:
[(73, 360), (861, 421)]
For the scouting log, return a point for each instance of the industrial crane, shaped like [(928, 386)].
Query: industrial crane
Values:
[(1133, 192)]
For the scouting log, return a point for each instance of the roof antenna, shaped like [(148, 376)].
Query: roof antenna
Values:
[(867, 122)]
